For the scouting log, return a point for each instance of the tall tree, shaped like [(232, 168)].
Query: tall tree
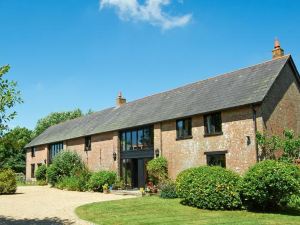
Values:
[(55, 118), (12, 152), (9, 97)]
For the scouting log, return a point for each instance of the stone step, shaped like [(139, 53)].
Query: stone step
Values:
[(127, 192)]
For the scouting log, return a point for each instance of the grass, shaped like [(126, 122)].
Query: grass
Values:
[(154, 210)]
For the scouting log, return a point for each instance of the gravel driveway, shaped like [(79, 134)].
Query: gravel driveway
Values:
[(45, 205)]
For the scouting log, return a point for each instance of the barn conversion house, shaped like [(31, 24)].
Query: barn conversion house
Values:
[(212, 122)]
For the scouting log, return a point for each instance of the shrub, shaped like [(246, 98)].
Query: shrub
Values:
[(119, 184), (168, 190), (20, 178), (42, 182), (268, 184), (76, 182), (209, 188), (65, 164), (8, 182), (69, 183), (41, 173), (98, 179), (158, 169), (294, 201)]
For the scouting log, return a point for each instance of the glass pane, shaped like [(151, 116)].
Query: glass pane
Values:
[(180, 131), (128, 140), (210, 125), (134, 140), (216, 160), (147, 138), (140, 138), (186, 130), (123, 141), (128, 172), (218, 123)]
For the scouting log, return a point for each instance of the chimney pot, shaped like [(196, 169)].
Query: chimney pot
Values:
[(277, 51), (120, 100)]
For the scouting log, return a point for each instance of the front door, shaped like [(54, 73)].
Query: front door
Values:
[(134, 172)]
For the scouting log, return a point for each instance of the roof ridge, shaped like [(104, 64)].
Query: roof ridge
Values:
[(209, 78), (78, 118)]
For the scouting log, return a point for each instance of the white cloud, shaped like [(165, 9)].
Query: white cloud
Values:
[(151, 11)]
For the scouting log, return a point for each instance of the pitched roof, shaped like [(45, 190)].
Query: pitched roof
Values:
[(242, 87)]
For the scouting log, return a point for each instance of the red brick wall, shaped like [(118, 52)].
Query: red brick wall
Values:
[(100, 157), (41, 154), (237, 124), (281, 108)]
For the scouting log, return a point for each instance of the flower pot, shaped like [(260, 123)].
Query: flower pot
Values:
[(106, 191)]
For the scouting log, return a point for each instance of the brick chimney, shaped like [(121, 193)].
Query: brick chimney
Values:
[(120, 100), (277, 51)]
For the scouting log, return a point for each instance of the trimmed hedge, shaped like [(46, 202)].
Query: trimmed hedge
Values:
[(158, 169), (269, 185), (65, 164), (209, 188), (8, 181), (98, 179)]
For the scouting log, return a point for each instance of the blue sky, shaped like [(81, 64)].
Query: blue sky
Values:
[(80, 54)]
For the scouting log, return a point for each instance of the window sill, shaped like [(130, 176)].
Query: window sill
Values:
[(184, 138), (213, 134)]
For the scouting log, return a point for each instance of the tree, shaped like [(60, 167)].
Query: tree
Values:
[(9, 97), (12, 152), (289, 144), (55, 118)]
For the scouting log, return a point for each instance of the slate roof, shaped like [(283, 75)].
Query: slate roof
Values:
[(242, 87)]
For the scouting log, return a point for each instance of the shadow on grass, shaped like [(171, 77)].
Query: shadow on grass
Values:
[(46, 221), (288, 211)]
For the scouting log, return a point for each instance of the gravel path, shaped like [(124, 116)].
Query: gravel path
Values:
[(44, 206)]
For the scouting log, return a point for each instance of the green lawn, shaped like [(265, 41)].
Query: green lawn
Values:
[(154, 210)]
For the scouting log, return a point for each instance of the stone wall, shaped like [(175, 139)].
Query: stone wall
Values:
[(237, 124), (41, 154), (100, 157), (281, 107)]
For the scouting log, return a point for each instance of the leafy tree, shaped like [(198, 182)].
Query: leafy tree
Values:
[(291, 146), (288, 143), (55, 118), (9, 97), (12, 152)]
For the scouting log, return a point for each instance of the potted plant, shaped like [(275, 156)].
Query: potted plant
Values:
[(143, 192), (105, 188)]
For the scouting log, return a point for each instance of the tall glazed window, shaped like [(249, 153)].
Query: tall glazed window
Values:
[(136, 139)]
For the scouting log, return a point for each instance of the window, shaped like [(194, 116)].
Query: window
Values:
[(88, 143), (216, 159), (184, 128), (32, 170), (213, 124), (136, 139), (55, 148), (32, 151)]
